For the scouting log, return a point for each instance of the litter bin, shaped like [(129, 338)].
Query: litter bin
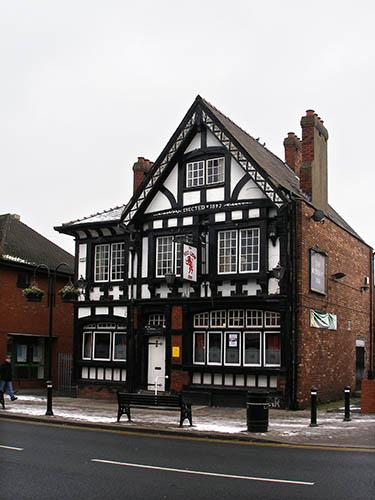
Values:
[(257, 411)]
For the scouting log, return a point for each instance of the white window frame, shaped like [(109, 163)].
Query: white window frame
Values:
[(223, 171), (198, 322), (122, 261), (223, 325), (93, 345), (202, 164), (270, 315), (205, 348), (260, 348), (239, 347), (218, 251), (257, 229), (260, 315), (158, 240), (208, 348), (265, 348), (83, 344), (239, 311), (156, 319), (113, 345), (109, 262)]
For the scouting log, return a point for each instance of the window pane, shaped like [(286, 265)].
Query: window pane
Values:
[(87, 345), (164, 255), (201, 319), (214, 347), (156, 320), (102, 345), (101, 262), (215, 170), (117, 257), (199, 347), (195, 174), (236, 317), (119, 347), (227, 249), (249, 250), (232, 348), (271, 318), (218, 318), (252, 348), (254, 318), (272, 341)]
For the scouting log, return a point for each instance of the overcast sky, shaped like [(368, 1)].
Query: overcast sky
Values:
[(87, 86)]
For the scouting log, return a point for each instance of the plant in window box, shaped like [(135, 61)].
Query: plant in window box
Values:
[(69, 293), (33, 293)]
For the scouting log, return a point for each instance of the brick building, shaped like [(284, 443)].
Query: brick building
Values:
[(23, 324), (227, 271)]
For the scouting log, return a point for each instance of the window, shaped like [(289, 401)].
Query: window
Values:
[(102, 346), (156, 320), (244, 243), (317, 271), (201, 320), (232, 348), (251, 348), (169, 254), (227, 252), (109, 262), (119, 346), (218, 319), (214, 348), (199, 349), (249, 250), (254, 318), (199, 173), (87, 345), (236, 318), (271, 319), (272, 354)]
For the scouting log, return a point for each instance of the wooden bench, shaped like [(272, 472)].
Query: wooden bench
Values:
[(127, 400)]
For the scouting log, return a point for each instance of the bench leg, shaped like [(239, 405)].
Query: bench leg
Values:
[(186, 414)]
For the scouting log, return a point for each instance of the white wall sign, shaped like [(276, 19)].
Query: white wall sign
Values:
[(189, 262)]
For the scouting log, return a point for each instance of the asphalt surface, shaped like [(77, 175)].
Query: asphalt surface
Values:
[(39, 461)]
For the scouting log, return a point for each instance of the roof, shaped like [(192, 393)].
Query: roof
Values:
[(21, 244), (110, 215)]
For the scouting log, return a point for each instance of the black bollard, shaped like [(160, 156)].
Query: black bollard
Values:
[(313, 398), (347, 404), (49, 411)]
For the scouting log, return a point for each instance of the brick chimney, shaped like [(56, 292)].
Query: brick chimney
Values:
[(314, 178), (293, 153), (140, 168)]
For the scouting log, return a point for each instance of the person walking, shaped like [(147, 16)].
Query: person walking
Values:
[(6, 378)]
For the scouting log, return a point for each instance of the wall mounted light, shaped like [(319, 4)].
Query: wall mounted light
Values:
[(338, 276), (318, 216)]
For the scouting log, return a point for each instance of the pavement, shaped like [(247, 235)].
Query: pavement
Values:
[(285, 427)]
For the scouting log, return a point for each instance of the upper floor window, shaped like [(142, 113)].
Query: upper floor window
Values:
[(317, 271), (109, 262), (238, 251), (169, 254), (205, 172)]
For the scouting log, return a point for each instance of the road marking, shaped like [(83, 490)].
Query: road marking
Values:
[(202, 473), (10, 447)]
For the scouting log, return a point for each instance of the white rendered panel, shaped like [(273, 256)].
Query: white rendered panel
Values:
[(120, 311), (262, 381), (83, 312), (196, 378), (144, 257), (84, 372), (115, 292), (171, 181), (250, 191), (158, 224), (106, 232), (273, 286), (251, 287), (273, 381), (254, 213), (158, 203), (195, 143), (145, 292), (250, 381), (100, 374), (212, 140), (95, 293), (82, 258), (172, 222), (273, 254), (215, 194), (236, 174), (101, 310), (220, 217), (237, 214), (187, 221), (192, 198)]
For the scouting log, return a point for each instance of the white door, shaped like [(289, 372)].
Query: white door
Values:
[(156, 363)]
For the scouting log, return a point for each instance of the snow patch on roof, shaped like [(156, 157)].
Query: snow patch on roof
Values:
[(112, 214), (18, 259)]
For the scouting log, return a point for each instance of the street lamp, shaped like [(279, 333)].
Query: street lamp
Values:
[(51, 304)]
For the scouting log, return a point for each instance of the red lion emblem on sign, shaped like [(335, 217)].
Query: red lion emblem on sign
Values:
[(190, 263)]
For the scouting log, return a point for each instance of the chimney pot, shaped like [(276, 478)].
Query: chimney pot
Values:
[(310, 112)]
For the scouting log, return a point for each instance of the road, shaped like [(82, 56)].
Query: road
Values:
[(40, 462)]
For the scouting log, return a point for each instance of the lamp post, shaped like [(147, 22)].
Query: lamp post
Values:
[(51, 304)]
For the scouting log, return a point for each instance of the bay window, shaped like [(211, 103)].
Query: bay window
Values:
[(109, 262), (104, 341)]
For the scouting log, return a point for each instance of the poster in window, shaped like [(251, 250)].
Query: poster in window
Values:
[(189, 262), (317, 272), (233, 340)]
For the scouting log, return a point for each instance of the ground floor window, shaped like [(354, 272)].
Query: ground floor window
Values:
[(99, 344), (28, 358)]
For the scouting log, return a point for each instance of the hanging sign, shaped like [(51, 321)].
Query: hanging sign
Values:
[(189, 262), (323, 320)]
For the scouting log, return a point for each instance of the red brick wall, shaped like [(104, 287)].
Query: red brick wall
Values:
[(176, 319), (368, 396), (179, 378), (98, 391), (327, 358), (19, 316)]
